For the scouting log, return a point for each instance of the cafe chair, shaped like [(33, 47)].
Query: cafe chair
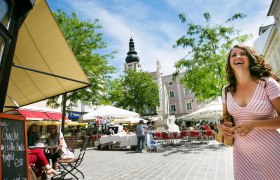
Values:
[(32, 174), (209, 135), (70, 166), (71, 142), (184, 135), (194, 135), (166, 137)]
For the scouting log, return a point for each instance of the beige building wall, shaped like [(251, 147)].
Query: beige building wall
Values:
[(274, 10), (272, 50), (268, 42), (182, 100)]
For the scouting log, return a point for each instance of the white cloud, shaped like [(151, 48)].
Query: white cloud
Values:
[(156, 28)]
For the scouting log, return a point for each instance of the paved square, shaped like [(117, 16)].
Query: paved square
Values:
[(184, 162)]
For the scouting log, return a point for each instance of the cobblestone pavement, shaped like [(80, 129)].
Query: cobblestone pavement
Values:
[(186, 162)]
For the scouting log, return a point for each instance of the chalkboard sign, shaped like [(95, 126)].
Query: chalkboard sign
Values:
[(13, 141)]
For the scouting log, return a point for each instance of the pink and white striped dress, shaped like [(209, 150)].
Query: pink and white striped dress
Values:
[(257, 155)]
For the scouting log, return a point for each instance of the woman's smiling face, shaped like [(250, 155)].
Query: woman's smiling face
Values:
[(239, 59)]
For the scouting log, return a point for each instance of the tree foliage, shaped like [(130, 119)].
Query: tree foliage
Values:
[(135, 91), (86, 41), (207, 46)]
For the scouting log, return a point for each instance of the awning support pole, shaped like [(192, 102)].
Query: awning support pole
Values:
[(64, 99)]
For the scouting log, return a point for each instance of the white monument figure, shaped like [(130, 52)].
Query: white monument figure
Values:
[(163, 109), (164, 121), (160, 91), (171, 126)]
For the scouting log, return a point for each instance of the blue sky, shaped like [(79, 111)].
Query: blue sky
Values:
[(155, 25)]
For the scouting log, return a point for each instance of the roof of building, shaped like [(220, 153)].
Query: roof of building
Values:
[(131, 54)]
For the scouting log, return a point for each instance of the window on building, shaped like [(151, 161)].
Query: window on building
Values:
[(170, 83), (187, 91), (173, 108), (189, 106), (171, 94)]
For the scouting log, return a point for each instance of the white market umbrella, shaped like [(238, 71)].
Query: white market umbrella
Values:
[(212, 110), (132, 120), (109, 111)]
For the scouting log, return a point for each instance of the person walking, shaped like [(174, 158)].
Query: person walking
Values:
[(141, 130), (253, 99)]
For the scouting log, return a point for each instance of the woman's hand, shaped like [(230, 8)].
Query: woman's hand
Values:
[(58, 148), (244, 129), (226, 130)]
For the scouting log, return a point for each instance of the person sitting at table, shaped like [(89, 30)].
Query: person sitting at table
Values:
[(60, 151), (37, 160), (33, 135), (36, 156)]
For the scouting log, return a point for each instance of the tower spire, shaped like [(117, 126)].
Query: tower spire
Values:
[(131, 54)]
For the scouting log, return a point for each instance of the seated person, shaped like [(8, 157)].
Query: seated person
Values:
[(61, 151), (33, 135), (36, 156)]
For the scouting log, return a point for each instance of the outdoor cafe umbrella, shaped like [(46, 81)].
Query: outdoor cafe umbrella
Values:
[(109, 111), (212, 110)]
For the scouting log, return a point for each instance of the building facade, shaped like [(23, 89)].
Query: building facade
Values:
[(181, 101), (268, 43)]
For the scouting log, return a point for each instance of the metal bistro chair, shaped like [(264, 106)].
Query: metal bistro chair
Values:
[(71, 165), (71, 142)]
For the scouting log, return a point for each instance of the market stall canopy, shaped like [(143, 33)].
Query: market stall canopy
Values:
[(130, 120), (74, 123), (109, 111), (31, 114), (44, 65), (212, 110)]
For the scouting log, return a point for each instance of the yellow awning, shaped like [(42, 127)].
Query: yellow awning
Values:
[(76, 124), (44, 123), (42, 47)]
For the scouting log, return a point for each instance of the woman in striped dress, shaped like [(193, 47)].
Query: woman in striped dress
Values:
[(253, 99)]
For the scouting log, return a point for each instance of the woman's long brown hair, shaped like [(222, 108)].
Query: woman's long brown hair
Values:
[(259, 69)]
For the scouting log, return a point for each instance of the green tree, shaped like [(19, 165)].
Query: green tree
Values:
[(135, 91), (207, 46), (86, 42)]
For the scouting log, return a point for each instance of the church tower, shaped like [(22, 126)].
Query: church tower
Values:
[(132, 60)]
